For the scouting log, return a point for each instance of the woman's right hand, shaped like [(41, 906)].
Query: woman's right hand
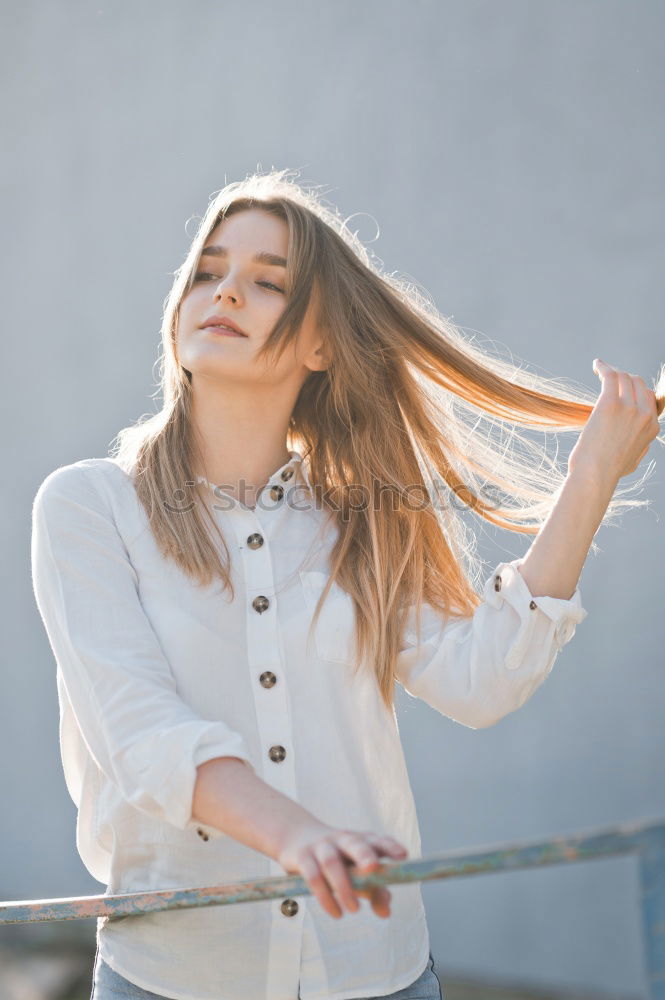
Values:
[(322, 854)]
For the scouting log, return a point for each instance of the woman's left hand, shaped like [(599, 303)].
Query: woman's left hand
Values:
[(621, 426)]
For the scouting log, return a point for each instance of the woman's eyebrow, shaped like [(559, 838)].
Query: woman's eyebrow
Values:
[(262, 257)]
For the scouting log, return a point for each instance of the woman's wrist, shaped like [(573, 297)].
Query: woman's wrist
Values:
[(230, 796), (597, 475)]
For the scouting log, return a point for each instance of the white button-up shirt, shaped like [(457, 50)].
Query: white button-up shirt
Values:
[(156, 675)]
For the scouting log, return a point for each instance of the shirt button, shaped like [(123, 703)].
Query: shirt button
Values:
[(497, 583), (202, 833), (255, 541), (533, 605), (268, 679), (277, 753), (276, 492), (260, 604), (286, 474), (289, 907)]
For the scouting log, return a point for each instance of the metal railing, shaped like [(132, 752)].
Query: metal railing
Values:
[(645, 840)]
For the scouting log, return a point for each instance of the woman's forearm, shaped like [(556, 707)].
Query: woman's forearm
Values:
[(231, 797), (613, 442), (553, 564)]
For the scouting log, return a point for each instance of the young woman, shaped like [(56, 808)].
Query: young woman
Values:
[(232, 594)]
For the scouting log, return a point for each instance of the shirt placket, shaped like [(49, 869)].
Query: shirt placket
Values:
[(275, 732)]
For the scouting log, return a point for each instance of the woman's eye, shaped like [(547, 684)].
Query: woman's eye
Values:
[(203, 275), (270, 284)]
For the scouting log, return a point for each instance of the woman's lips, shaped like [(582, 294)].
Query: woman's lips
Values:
[(223, 331)]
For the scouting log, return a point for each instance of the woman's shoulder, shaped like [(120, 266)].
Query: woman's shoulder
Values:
[(86, 474)]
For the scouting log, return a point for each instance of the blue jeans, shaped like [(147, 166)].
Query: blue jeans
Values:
[(109, 985)]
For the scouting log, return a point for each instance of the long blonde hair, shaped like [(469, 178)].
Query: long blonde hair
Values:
[(408, 403)]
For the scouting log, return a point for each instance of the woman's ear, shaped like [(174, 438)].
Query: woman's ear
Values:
[(318, 358)]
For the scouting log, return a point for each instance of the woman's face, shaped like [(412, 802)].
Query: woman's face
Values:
[(229, 282)]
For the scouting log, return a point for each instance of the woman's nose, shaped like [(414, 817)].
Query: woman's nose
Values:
[(225, 292), (227, 284)]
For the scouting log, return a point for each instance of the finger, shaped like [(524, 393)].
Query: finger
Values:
[(601, 368), (387, 845), (646, 397), (315, 879), (627, 389), (379, 899), (609, 378), (378, 896), (337, 875), (362, 854), (624, 381)]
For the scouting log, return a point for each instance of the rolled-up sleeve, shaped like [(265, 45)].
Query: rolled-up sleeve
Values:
[(141, 734), (478, 669)]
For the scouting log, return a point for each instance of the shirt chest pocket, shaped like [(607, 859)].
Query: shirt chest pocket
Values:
[(334, 633)]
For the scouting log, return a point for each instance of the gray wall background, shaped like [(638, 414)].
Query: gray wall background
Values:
[(511, 154)]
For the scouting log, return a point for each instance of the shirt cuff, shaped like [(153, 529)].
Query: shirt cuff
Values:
[(508, 584)]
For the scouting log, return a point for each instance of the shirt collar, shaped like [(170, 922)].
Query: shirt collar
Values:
[(279, 476)]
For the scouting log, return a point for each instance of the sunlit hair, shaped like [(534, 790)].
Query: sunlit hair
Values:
[(409, 405)]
